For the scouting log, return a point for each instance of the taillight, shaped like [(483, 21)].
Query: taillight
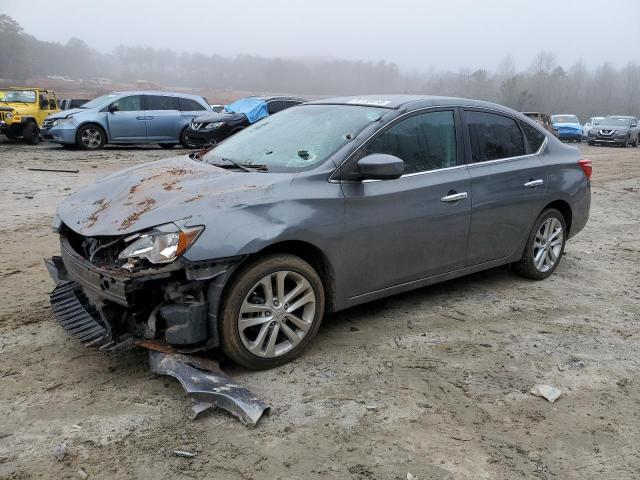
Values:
[(586, 167)]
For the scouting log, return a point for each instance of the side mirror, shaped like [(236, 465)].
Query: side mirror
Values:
[(380, 166), (634, 124), (113, 108)]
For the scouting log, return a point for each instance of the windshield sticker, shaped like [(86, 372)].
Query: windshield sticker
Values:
[(369, 101)]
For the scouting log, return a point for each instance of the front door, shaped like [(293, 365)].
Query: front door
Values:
[(127, 124), (416, 226), (508, 184)]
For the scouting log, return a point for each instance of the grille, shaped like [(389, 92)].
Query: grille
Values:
[(47, 123), (68, 305)]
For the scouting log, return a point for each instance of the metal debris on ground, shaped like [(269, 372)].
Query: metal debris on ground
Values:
[(60, 451), (61, 170), (546, 391), (203, 381), (199, 407), (573, 364), (183, 453)]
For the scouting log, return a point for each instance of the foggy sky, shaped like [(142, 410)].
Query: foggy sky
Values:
[(417, 35)]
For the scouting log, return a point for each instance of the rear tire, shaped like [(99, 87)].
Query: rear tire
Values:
[(545, 246), (31, 133), (271, 338)]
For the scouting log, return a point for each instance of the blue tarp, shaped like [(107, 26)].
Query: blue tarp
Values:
[(254, 108)]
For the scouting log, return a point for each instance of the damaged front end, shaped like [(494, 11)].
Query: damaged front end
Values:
[(113, 292)]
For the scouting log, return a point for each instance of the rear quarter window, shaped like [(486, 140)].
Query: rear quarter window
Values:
[(189, 105), (534, 136)]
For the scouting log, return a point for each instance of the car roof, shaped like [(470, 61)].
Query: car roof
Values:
[(278, 97), (28, 88), (158, 92), (394, 102)]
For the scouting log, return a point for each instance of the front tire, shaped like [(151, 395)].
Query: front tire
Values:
[(91, 137), (545, 246), (31, 133), (271, 311)]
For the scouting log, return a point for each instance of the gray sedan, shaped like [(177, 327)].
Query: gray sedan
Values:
[(318, 208)]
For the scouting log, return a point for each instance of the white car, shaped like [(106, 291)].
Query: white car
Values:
[(591, 123)]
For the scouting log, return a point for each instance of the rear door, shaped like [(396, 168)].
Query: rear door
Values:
[(127, 124), (163, 118), (508, 183), (412, 227)]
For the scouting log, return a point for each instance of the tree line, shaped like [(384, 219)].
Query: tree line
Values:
[(544, 86)]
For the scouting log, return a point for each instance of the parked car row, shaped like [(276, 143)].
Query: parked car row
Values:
[(621, 130)]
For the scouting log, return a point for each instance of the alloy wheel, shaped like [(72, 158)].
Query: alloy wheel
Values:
[(277, 314), (547, 245), (91, 138)]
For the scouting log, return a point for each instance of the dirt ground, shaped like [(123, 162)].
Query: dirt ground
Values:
[(434, 382)]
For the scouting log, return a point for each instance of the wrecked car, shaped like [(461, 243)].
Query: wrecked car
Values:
[(213, 127), (322, 207)]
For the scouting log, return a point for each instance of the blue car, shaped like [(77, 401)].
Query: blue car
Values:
[(568, 127), (126, 118)]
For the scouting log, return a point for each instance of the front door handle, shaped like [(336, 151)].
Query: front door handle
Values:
[(454, 197), (141, 118), (534, 183)]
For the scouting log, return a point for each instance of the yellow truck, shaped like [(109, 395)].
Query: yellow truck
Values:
[(23, 109)]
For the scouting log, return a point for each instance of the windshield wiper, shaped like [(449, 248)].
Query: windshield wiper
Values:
[(244, 166)]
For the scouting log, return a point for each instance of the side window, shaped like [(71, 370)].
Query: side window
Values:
[(129, 104), (189, 105), (534, 136), (275, 106), (425, 142), (493, 136), (161, 102)]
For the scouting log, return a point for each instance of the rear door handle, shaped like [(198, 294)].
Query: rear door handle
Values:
[(454, 197), (534, 183)]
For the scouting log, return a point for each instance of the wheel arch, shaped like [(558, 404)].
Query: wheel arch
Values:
[(565, 209), (311, 254), (97, 124)]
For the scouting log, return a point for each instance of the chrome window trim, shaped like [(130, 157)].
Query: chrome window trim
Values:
[(472, 164), (508, 159)]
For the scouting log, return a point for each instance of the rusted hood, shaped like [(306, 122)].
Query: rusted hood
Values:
[(160, 192)]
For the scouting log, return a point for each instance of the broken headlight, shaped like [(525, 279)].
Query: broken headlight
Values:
[(163, 244)]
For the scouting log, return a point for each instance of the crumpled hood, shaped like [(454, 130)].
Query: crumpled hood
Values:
[(69, 113), (218, 117), (173, 190)]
